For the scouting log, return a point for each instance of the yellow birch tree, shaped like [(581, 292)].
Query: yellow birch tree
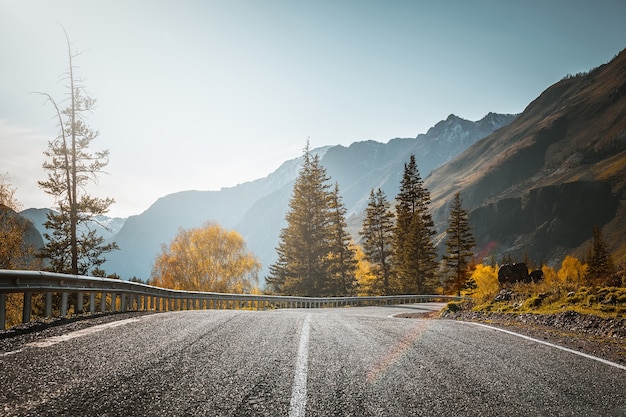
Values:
[(207, 258)]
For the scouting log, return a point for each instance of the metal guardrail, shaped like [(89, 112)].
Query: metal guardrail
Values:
[(113, 295)]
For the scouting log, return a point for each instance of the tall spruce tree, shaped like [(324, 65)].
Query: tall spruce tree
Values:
[(71, 166), (600, 265), (301, 268), (342, 261), (377, 233), (414, 251), (459, 245)]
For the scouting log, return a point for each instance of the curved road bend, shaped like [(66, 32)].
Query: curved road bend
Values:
[(330, 362)]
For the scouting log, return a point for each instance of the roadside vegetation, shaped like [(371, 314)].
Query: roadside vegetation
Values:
[(575, 286)]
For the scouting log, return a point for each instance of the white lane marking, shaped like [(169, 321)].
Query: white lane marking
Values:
[(297, 407), (79, 333), (543, 342), (13, 352)]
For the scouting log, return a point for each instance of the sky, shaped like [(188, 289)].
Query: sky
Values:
[(200, 95)]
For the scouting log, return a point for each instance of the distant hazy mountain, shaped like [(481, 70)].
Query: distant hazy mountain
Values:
[(106, 227), (257, 209), (538, 186)]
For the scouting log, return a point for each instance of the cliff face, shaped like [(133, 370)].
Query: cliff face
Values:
[(546, 223)]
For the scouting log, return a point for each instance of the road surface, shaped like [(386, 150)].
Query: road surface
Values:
[(326, 362)]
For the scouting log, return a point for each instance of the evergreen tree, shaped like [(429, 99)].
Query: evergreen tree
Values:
[(304, 242), (342, 261), (71, 166), (377, 233), (459, 245), (415, 255), (600, 265)]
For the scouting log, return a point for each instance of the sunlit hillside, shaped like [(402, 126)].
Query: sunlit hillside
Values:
[(537, 186)]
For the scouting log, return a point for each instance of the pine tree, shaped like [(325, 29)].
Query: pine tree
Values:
[(304, 242), (600, 265), (415, 255), (341, 258), (459, 245), (71, 166), (377, 233)]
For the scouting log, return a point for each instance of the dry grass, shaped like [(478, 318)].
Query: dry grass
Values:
[(607, 302)]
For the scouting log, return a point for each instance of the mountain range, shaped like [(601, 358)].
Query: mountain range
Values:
[(535, 183), (257, 209)]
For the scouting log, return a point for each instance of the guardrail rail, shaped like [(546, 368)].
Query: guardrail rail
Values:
[(61, 292)]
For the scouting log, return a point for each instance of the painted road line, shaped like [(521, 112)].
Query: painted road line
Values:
[(543, 342), (79, 333), (297, 406)]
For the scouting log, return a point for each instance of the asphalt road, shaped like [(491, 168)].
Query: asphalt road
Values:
[(331, 362)]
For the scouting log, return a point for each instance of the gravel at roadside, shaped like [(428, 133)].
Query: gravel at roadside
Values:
[(604, 338)]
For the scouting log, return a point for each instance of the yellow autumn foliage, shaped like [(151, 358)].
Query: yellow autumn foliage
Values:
[(486, 279), (367, 281), (572, 273), (208, 258)]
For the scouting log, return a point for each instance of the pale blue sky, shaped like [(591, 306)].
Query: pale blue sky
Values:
[(208, 94)]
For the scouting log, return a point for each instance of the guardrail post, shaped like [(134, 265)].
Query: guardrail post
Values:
[(123, 302), (92, 302), (26, 307), (113, 302), (63, 304), (48, 304), (3, 314), (79, 303), (103, 302)]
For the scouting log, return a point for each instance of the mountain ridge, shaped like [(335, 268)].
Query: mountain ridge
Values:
[(570, 142), (256, 209)]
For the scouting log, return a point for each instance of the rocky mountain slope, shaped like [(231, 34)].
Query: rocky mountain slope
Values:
[(537, 186), (257, 209)]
